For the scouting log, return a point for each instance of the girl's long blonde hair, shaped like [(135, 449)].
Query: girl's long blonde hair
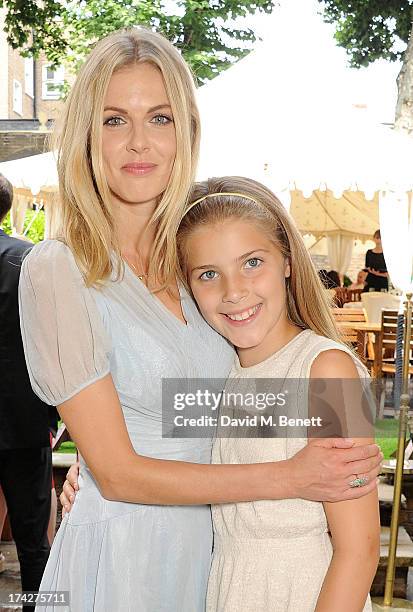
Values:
[(308, 306), (85, 220)]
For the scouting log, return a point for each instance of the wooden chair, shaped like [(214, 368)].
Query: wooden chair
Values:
[(386, 349), (341, 296), (354, 295), (344, 294), (344, 315)]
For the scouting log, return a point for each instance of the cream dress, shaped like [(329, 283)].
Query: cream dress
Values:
[(271, 556)]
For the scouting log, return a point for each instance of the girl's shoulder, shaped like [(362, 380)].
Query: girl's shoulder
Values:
[(316, 345)]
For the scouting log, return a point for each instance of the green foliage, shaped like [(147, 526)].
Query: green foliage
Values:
[(35, 220), (201, 29), (370, 29), (6, 225)]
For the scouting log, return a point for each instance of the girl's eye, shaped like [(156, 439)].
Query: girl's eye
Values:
[(208, 275), (254, 262), (113, 121), (161, 120)]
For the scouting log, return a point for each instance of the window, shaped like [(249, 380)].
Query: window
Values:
[(51, 80), (17, 97), (28, 76)]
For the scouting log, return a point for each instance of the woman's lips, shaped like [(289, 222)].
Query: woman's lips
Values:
[(139, 169)]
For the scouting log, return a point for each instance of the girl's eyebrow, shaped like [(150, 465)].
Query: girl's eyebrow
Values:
[(123, 111), (240, 258)]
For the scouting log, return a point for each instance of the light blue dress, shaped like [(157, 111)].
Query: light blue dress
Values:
[(116, 556)]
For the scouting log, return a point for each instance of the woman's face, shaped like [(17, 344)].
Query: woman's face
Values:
[(377, 240), (138, 141), (237, 276)]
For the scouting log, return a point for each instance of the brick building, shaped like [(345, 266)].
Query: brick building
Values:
[(29, 100)]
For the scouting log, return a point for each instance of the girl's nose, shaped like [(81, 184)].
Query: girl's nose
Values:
[(235, 291)]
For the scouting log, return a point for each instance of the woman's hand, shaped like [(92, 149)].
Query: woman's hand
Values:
[(70, 486), (323, 470)]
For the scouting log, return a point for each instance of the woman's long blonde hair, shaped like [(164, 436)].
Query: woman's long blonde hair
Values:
[(307, 304), (85, 220)]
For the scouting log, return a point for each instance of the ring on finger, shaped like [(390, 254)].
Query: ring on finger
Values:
[(358, 481)]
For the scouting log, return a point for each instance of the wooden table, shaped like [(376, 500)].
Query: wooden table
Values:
[(362, 329)]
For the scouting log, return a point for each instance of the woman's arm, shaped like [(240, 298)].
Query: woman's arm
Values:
[(354, 525), (95, 421)]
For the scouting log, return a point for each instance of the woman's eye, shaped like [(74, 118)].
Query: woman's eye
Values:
[(254, 262), (161, 120), (208, 275), (113, 121)]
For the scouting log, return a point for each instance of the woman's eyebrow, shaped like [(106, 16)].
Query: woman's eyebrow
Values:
[(116, 109), (123, 111)]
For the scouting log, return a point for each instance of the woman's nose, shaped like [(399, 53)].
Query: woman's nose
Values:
[(138, 140)]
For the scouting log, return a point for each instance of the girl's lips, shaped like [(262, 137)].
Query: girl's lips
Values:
[(244, 321)]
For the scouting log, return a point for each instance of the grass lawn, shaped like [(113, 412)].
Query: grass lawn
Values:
[(387, 432), (66, 447)]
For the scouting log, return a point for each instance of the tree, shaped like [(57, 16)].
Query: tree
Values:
[(373, 29), (201, 29)]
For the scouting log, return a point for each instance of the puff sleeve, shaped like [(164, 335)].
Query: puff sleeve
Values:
[(64, 339)]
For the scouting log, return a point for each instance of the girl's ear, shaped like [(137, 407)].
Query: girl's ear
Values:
[(287, 271)]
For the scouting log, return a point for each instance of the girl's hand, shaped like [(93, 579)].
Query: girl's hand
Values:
[(70, 486)]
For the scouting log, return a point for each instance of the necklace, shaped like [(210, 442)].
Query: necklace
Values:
[(140, 275)]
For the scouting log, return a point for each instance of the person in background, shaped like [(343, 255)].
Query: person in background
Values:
[(361, 280), (334, 279), (377, 277), (330, 279), (3, 514), (25, 451)]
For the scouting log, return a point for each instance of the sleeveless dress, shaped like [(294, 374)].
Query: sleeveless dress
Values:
[(115, 556), (271, 556)]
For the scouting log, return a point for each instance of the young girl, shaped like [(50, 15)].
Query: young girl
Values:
[(254, 283)]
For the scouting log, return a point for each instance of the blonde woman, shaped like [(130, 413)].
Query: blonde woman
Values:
[(104, 320), (253, 280)]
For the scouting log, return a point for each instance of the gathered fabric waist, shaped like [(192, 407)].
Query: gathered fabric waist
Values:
[(91, 507), (269, 545)]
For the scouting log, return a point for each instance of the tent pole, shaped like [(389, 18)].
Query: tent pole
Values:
[(398, 477)]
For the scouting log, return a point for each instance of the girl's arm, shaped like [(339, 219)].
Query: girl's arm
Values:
[(96, 424), (354, 525)]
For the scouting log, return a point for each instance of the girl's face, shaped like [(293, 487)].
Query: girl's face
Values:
[(138, 141), (237, 276)]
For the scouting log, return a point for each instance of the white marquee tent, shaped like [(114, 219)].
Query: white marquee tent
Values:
[(293, 115), (34, 178)]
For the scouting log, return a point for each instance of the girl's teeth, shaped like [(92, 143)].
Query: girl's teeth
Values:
[(243, 315)]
